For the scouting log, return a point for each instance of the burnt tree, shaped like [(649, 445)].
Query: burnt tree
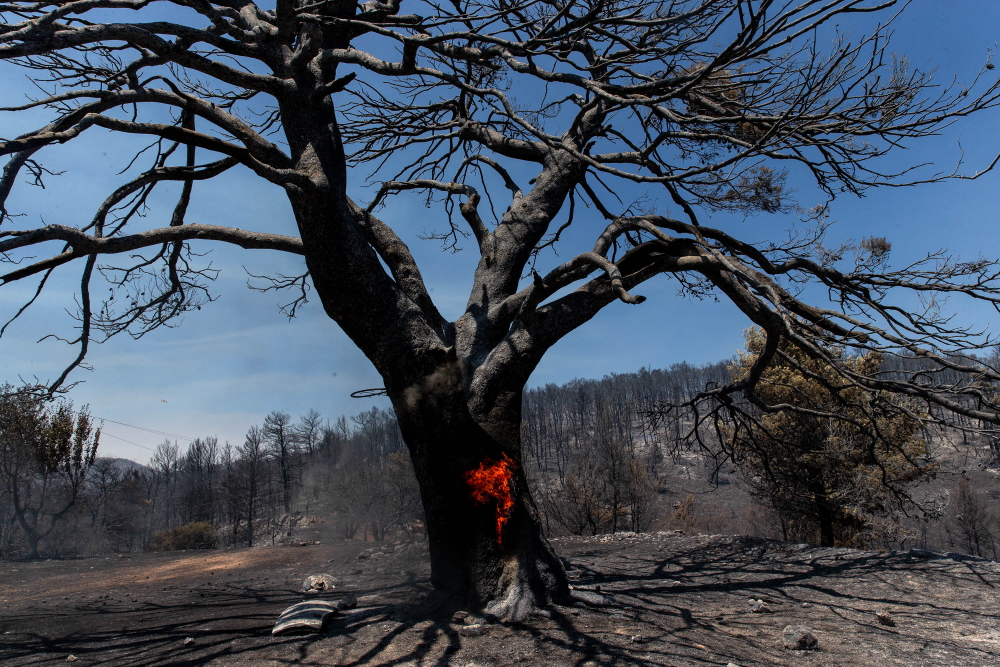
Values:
[(705, 102)]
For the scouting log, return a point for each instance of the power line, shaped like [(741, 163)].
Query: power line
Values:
[(140, 428), (128, 441), (143, 428)]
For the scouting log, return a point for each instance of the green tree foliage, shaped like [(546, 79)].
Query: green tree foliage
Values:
[(834, 460), (46, 451)]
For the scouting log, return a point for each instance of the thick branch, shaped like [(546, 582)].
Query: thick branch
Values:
[(85, 244), (401, 263)]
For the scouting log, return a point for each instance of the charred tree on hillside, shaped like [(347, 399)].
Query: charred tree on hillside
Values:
[(277, 431), (705, 102), (308, 433), (254, 455)]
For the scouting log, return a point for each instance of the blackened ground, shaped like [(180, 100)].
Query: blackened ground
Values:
[(681, 601)]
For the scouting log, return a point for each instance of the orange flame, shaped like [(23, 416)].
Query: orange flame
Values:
[(492, 480)]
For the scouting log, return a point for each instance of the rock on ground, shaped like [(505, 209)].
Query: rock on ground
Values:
[(885, 618), (318, 583), (477, 630), (799, 638)]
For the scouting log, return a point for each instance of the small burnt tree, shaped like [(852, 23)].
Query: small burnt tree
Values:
[(704, 102)]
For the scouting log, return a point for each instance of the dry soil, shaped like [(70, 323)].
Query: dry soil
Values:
[(683, 601)]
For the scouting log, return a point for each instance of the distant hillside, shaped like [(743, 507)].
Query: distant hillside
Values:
[(124, 465)]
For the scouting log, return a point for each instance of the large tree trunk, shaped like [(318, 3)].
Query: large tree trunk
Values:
[(505, 568), (393, 321)]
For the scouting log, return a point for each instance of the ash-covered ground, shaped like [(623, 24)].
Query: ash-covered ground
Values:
[(679, 601)]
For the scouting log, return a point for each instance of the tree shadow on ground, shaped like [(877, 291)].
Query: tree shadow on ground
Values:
[(679, 602)]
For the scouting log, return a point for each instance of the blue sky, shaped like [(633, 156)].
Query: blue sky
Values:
[(237, 359)]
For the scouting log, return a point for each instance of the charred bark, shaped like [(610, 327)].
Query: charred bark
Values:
[(481, 556), (504, 568)]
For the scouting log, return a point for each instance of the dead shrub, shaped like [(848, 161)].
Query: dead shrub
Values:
[(194, 535)]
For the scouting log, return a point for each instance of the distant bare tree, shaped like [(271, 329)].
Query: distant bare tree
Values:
[(199, 466), (103, 483), (350, 497), (278, 433), (390, 497), (575, 500), (605, 487), (164, 471), (232, 491), (380, 432), (332, 440), (253, 460), (309, 431), (974, 525)]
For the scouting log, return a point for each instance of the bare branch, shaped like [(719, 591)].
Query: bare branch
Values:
[(85, 244)]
